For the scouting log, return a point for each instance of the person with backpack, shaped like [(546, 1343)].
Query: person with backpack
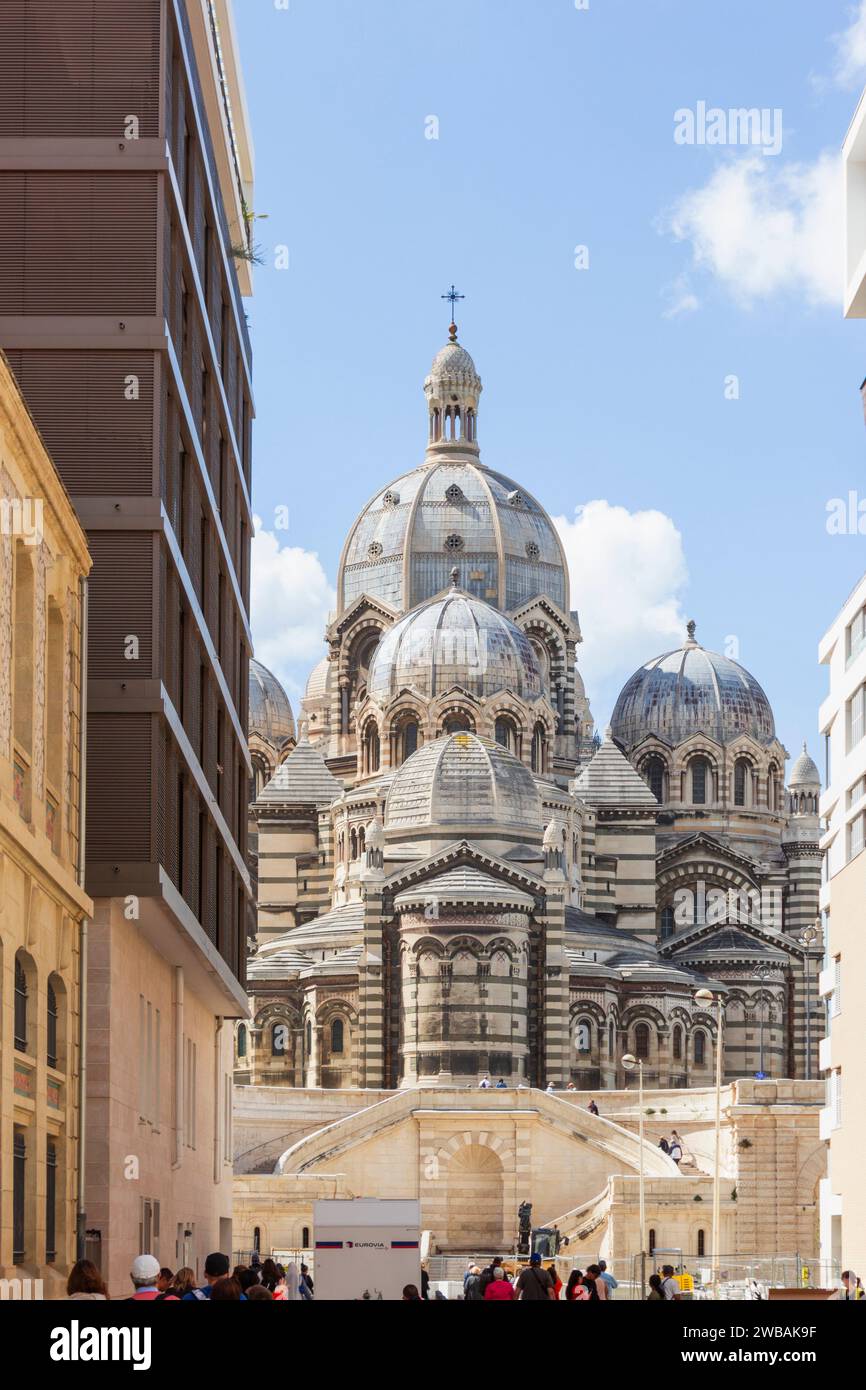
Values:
[(472, 1291), (535, 1283), (489, 1273)]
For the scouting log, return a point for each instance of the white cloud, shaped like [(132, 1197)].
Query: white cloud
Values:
[(764, 229), (850, 48), (290, 599), (680, 298), (627, 572)]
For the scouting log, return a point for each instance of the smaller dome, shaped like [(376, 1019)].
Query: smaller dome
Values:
[(454, 640), (804, 773), (463, 780), (319, 682), (270, 714), (454, 361)]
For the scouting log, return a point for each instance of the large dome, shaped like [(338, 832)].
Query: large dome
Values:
[(451, 509), (691, 691), (409, 535), (460, 780), (270, 713), (454, 640)]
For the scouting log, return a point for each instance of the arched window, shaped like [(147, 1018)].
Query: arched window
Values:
[(456, 724), (257, 1239), (20, 1006), (361, 840), (667, 922), (308, 1037), (642, 1041), (700, 770), (51, 1038), (337, 1035), (772, 773), (701, 1244), (353, 843), (406, 742), (583, 1037), (653, 1243), (742, 773), (305, 1237), (371, 748), (242, 1041), (678, 1042), (611, 1038), (654, 776), (504, 733), (539, 749), (279, 1040), (700, 1048)]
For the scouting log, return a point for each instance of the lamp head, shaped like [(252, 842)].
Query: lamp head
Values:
[(629, 1062), (703, 996)]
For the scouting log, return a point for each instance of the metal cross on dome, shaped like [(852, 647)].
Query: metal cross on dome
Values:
[(452, 296)]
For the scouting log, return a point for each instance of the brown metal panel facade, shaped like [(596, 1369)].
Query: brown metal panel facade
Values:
[(121, 314)]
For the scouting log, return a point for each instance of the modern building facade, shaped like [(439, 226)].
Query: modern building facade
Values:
[(843, 893), (125, 195), (842, 724), (44, 565), (456, 878)]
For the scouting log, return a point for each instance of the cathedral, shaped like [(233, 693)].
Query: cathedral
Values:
[(458, 879)]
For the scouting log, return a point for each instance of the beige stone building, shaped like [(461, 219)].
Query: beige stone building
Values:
[(472, 1156), (44, 563)]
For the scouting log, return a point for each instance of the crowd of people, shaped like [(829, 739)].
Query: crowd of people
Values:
[(536, 1281), (263, 1280)]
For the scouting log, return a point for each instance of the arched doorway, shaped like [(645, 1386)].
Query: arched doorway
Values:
[(476, 1214)]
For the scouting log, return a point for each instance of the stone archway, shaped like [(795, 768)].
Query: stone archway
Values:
[(475, 1203)]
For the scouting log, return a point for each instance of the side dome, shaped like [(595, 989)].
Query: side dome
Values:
[(454, 640), (460, 780), (270, 714), (804, 773), (689, 691)]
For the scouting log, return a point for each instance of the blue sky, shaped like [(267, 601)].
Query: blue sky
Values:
[(605, 385)]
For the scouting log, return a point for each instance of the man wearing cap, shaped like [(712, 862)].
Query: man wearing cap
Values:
[(535, 1282), (216, 1266), (145, 1274)]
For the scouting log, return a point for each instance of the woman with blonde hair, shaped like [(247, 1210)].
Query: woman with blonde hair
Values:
[(183, 1282)]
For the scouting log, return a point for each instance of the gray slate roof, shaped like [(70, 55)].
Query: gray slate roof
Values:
[(466, 884), (304, 779), (610, 780)]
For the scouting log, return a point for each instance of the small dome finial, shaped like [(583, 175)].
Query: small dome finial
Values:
[(608, 734), (455, 575), (691, 625)]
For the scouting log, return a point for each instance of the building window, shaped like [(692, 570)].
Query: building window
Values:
[(19, 1189), (371, 748), (504, 733), (741, 773), (667, 922), (701, 1245), (50, 1202), (678, 1043), (20, 1006), (856, 717), (242, 1041), (308, 1037), (700, 1045), (699, 770), (539, 749), (52, 1027), (654, 776), (257, 1239), (642, 1041), (305, 1238), (337, 1035), (855, 636), (856, 835), (457, 724), (652, 1240)]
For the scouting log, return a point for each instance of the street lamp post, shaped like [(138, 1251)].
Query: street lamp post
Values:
[(630, 1062), (808, 939), (705, 997)]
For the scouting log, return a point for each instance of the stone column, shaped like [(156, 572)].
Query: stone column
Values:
[(371, 984), (555, 972)]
